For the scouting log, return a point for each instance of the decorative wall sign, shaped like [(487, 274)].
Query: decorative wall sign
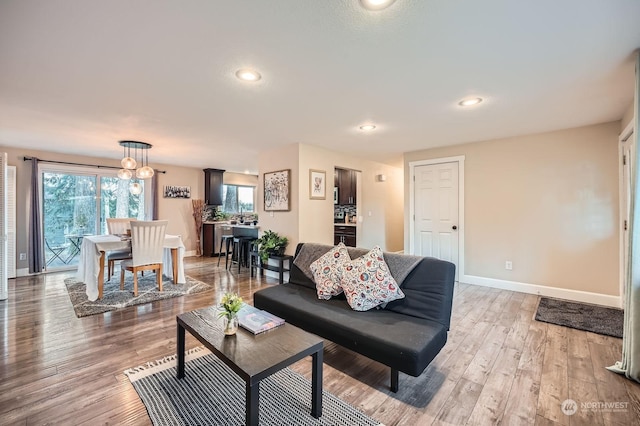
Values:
[(277, 191), (317, 184), (177, 192)]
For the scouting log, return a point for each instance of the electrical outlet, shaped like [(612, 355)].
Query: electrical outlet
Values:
[(23, 256), (508, 265)]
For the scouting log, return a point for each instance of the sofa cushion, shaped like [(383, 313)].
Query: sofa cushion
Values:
[(428, 291), (402, 342), (367, 282), (327, 270)]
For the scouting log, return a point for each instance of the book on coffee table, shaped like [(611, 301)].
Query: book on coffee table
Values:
[(256, 320)]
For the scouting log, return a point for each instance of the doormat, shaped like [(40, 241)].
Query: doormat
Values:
[(581, 316)]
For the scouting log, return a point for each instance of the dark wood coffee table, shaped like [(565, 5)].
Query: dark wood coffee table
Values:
[(254, 357)]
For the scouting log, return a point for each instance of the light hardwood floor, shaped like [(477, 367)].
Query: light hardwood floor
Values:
[(500, 366)]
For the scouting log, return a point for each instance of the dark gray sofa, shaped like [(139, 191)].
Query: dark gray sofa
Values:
[(406, 335)]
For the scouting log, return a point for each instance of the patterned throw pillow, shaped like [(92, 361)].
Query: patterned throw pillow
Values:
[(326, 271), (367, 283)]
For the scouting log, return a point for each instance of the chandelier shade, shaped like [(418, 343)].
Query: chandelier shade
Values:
[(144, 172), (135, 188), (128, 163), (125, 174)]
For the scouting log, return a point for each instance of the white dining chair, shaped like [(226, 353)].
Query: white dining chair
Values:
[(117, 226), (147, 245)]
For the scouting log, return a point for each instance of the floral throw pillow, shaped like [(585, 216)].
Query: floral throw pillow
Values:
[(367, 283), (327, 269)]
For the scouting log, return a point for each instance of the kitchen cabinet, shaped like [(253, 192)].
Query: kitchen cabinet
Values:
[(208, 232), (213, 180), (344, 234), (346, 182), (211, 235)]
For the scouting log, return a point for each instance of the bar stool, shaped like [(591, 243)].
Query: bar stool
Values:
[(241, 250), (226, 240)]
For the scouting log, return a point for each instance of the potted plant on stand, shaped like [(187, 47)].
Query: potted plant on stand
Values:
[(271, 244)]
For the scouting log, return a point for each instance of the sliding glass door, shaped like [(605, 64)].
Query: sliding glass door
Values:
[(76, 203)]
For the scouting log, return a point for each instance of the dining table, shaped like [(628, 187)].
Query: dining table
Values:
[(92, 260)]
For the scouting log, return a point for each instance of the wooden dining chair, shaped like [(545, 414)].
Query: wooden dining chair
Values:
[(117, 226), (147, 245)]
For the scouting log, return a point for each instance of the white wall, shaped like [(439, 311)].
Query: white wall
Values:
[(547, 202)]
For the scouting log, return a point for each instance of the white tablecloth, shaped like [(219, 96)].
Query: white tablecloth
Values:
[(92, 246)]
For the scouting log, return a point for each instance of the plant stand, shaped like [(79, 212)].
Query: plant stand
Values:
[(256, 263)]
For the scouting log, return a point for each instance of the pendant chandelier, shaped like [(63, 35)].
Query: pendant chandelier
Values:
[(133, 164)]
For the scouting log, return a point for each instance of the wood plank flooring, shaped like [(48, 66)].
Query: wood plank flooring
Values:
[(499, 366)]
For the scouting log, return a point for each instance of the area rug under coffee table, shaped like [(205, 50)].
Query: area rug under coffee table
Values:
[(212, 394), (114, 298), (581, 316)]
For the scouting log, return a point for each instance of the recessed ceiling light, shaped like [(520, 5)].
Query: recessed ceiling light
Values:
[(367, 127), (470, 102), (376, 4), (246, 74)]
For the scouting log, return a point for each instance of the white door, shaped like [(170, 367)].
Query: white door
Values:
[(436, 211)]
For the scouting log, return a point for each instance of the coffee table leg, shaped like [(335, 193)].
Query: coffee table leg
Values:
[(253, 406), (316, 385), (180, 352)]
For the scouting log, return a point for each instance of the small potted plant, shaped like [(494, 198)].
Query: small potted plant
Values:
[(230, 304), (271, 244)]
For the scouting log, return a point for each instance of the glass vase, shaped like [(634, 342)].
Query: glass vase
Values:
[(230, 324)]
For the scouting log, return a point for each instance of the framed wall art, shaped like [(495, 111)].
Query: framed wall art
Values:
[(177, 191), (277, 191), (317, 184)]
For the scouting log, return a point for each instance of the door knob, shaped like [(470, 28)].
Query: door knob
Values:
[(454, 227)]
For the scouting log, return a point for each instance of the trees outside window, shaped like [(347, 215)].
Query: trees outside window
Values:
[(238, 199)]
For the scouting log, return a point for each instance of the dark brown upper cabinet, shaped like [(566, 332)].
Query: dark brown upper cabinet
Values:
[(346, 182), (213, 179)]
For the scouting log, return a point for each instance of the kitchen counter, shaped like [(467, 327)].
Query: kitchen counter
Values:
[(213, 230), (226, 222)]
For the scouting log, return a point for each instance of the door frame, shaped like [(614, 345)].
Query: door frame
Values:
[(624, 138), (412, 211)]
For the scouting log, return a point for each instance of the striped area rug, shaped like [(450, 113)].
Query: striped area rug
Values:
[(212, 394)]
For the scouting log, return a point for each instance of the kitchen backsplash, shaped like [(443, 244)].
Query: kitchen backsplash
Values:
[(342, 211)]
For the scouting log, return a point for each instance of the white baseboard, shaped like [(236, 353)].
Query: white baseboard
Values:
[(22, 272), (541, 290), (190, 253)]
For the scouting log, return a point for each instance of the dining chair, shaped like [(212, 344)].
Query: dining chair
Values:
[(117, 226), (147, 245)]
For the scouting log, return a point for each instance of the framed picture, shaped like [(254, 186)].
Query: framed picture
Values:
[(177, 191), (277, 191), (317, 184)]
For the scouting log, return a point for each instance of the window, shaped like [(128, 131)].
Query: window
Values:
[(236, 199)]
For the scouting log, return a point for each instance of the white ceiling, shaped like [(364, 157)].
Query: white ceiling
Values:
[(77, 76)]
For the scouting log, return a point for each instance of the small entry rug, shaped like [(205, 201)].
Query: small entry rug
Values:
[(593, 318), (114, 298), (212, 394)]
